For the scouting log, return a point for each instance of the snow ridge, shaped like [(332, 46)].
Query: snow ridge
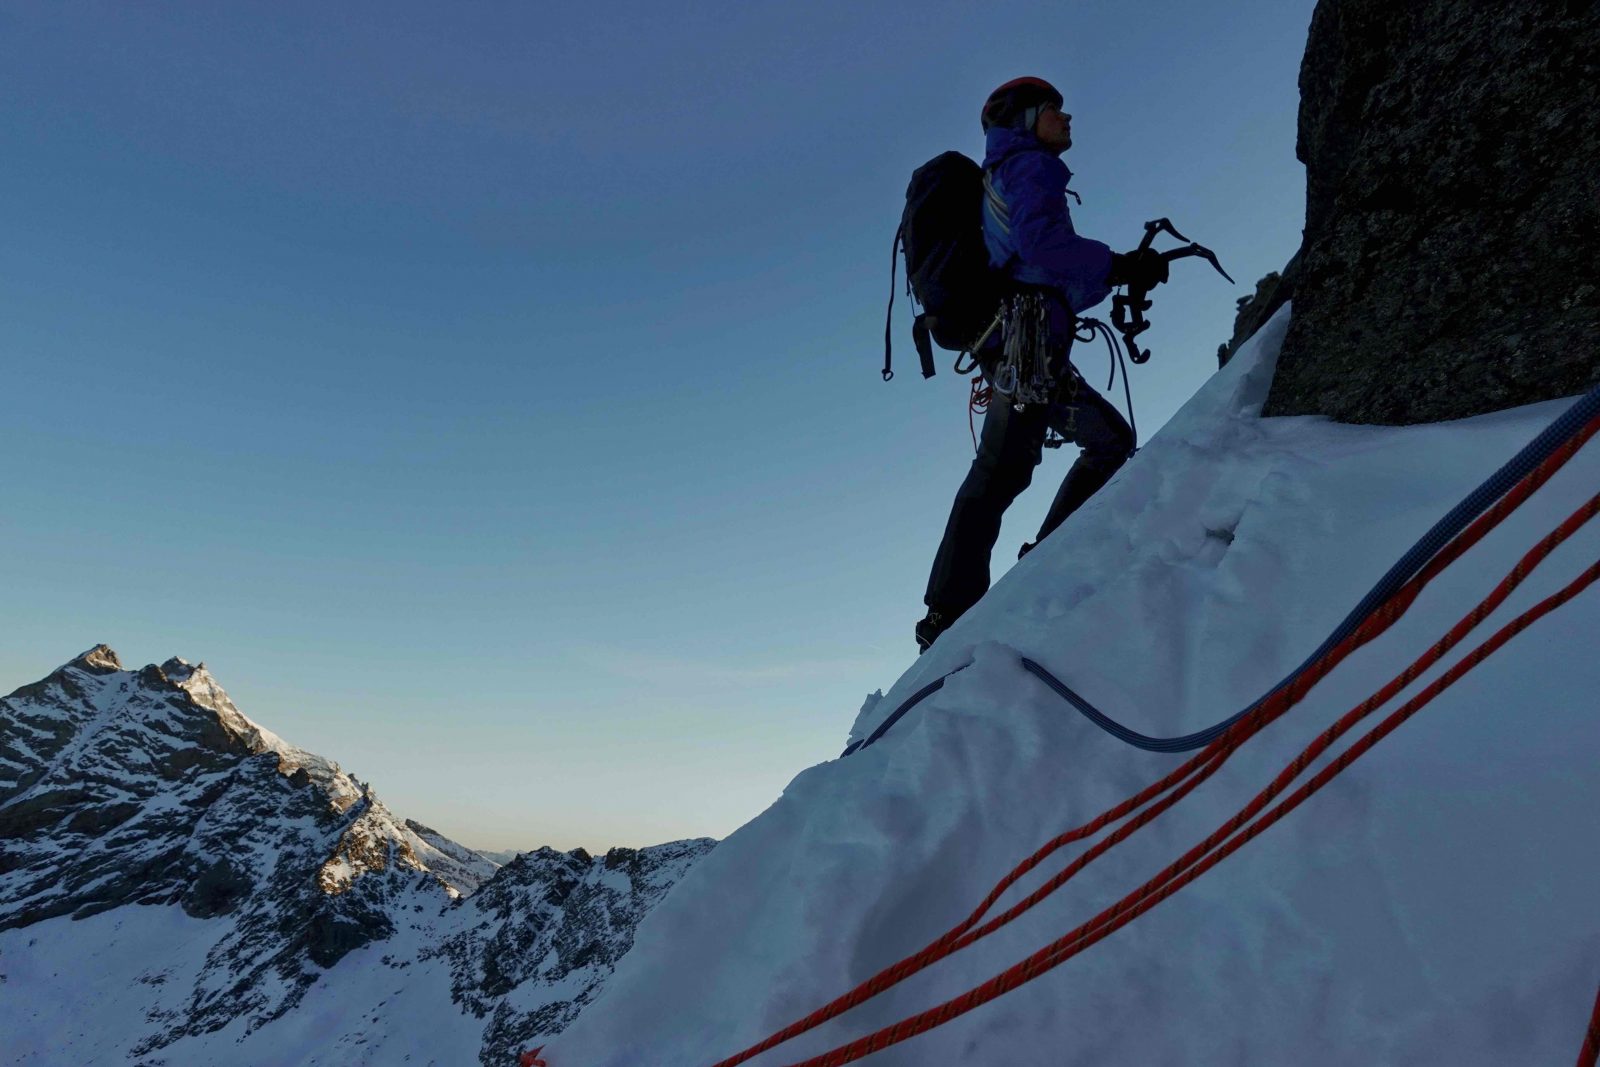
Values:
[(1433, 905)]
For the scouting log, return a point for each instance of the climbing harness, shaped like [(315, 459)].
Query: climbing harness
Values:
[(1027, 358), (1032, 365), (1029, 367), (1249, 821), (1127, 309)]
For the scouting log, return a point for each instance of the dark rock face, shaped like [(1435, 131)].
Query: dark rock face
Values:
[(1452, 210)]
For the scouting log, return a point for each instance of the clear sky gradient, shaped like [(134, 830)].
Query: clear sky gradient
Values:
[(489, 393)]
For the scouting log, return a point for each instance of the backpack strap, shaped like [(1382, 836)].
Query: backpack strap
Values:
[(996, 204), (921, 336), (888, 320), (920, 332)]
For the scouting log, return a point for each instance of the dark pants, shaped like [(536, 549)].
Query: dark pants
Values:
[(1011, 446)]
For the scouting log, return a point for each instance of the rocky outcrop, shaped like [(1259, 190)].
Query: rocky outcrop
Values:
[(1452, 210), (558, 921), (1272, 292)]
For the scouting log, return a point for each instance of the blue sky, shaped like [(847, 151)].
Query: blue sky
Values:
[(489, 393)]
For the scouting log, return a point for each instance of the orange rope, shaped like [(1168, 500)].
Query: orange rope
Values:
[(1216, 847), (1591, 1040)]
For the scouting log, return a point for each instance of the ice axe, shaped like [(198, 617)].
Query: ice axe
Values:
[(1127, 310)]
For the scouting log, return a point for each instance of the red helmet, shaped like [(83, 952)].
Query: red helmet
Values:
[(1010, 104)]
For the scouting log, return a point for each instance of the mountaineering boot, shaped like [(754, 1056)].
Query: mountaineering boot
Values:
[(932, 625)]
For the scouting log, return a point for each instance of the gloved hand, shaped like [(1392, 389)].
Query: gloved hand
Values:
[(1143, 269)]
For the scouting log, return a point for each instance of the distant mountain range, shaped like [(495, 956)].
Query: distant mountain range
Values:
[(180, 886)]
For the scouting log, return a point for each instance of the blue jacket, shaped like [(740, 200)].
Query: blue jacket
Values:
[(1026, 224)]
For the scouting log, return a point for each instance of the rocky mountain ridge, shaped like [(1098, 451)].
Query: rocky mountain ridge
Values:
[(125, 793)]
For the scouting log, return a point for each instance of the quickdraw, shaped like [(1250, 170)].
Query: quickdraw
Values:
[(1025, 374), (1029, 371)]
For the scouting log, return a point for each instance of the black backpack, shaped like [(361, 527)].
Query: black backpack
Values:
[(947, 264)]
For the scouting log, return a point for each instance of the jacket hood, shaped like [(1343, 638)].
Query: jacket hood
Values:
[(1003, 142)]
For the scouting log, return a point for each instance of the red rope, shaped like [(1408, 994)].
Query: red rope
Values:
[(1590, 1053), (1200, 767), (978, 404), (1200, 859)]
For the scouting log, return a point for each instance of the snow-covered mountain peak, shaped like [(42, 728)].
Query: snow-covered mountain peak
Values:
[(223, 876), (206, 692), (204, 689), (98, 660), (102, 767)]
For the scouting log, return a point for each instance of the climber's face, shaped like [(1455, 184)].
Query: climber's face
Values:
[(1053, 128)]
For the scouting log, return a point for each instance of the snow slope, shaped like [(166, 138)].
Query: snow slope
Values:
[(1434, 905)]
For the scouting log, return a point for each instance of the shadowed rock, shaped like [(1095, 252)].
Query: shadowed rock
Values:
[(1452, 210)]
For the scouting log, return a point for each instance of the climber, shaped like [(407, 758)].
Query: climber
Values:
[(1031, 242)]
